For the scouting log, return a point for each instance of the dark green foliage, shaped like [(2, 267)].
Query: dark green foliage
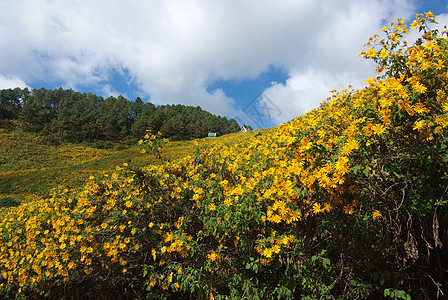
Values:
[(11, 101), (68, 116)]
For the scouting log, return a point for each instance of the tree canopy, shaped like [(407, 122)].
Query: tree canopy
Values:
[(69, 116)]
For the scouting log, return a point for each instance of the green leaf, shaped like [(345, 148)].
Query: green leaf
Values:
[(326, 262)]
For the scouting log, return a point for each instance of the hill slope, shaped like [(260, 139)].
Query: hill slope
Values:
[(347, 201), (30, 167)]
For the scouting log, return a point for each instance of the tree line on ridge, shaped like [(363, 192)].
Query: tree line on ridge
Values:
[(64, 115)]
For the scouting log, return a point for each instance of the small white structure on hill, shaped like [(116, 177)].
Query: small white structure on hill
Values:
[(212, 134), (244, 129)]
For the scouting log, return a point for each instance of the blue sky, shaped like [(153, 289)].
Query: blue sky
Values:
[(261, 62)]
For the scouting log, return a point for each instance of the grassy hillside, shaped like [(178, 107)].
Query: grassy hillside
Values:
[(348, 201), (30, 167)]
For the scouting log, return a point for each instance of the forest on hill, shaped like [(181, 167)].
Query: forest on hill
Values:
[(69, 116)]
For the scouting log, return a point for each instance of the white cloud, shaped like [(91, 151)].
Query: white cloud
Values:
[(334, 61), (174, 49), (7, 82), (304, 91), (108, 89)]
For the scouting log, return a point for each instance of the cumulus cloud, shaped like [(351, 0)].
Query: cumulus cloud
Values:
[(173, 50), (302, 92), (334, 62), (7, 82)]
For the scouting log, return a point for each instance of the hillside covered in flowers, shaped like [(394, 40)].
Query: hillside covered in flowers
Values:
[(347, 201)]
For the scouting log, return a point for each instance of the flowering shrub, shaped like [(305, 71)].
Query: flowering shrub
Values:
[(153, 143), (347, 201)]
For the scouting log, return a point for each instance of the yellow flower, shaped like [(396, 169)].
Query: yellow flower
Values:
[(378, 129), (267, 252), (71, 265), (419, 88), (285, 240), (429, 15), (420, 108), (348, 209), (316, 208), (418, 125), (106, 246), (445, 106), (376, 214), (168, 237), (213, 256), (275, 218), (342, 165), (153, 252), (152, 283), (384, 53), (370, 53), (278, 205), (228, 202)]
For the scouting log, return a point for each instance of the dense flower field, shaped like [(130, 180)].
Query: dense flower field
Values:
[(347, 201)]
